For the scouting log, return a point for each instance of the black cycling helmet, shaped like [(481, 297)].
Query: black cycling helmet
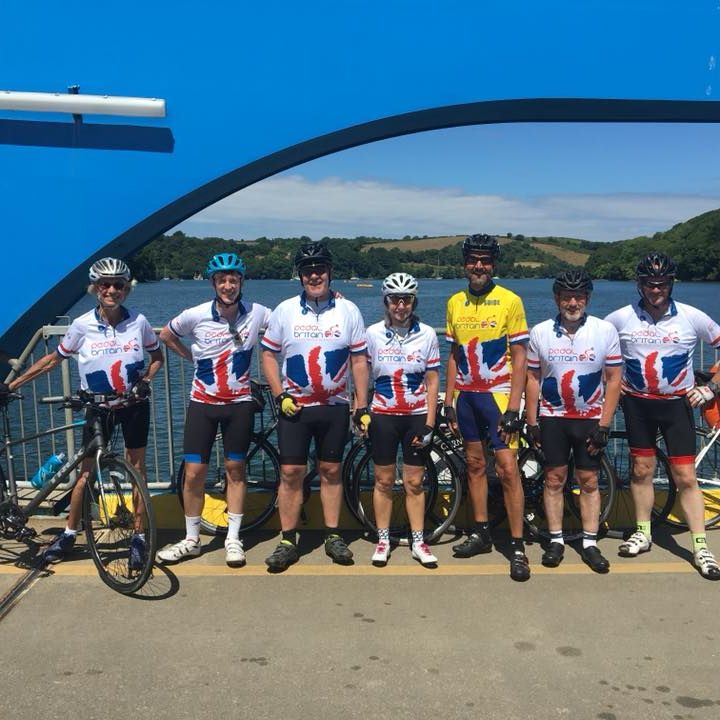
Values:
[(573, 280), (313, 253), (654, 265), (481, 244)]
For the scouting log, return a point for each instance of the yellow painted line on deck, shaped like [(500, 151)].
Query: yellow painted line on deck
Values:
[(188, 569)]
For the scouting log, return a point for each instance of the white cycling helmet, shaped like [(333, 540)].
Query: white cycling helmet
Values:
[(109, 267), (399, 283)]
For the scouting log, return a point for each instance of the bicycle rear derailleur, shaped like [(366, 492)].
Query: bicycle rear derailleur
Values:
[(13, 523)]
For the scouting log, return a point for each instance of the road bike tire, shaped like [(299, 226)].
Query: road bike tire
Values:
[(355, 454), (621, 521), (532, 474), (463, 521), (117, 505), (361, 484), (708, 475), (262, 476), (607, 486), (440, 515)]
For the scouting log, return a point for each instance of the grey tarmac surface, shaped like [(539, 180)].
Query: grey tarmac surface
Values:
[(323, 641)]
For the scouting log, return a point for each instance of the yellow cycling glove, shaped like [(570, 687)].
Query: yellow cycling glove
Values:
[(287, 405), (362, 419)]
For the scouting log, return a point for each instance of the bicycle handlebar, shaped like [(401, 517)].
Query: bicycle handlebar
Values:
[(89, 399)]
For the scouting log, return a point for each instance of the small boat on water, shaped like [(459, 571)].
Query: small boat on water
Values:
[(363, 285), (197, 276)]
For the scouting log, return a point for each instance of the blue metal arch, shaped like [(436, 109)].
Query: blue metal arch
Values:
[(71, 287)]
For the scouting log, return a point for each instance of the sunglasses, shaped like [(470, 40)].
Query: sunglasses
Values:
[(404, 299), (659, 284), (483, 260), (577, 297), (117, 284), (313, 269)]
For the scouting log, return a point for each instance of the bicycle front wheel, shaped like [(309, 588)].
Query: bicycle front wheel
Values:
[(262, 477), (622, 521), (360, 498), (707, 467), (119, 525)]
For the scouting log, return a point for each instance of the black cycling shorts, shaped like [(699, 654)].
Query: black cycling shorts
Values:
[(674, 418), (201, 426), (133, 419), (388, 432), (559, 436), (328, 425)]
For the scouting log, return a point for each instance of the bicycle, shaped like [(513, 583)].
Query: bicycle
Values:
[(666, 507), (262, 475), (111, 515), (531, 462), (263, 478), (441, 485)]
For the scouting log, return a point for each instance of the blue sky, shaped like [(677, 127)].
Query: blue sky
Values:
[(594, 181)]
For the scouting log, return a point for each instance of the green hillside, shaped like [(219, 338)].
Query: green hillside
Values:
[(695, 245)]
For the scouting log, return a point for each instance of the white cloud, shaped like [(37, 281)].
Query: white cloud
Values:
[(291, 205)]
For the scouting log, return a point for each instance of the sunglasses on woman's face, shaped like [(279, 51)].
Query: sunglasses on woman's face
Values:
[(397, 299), (117, 284)]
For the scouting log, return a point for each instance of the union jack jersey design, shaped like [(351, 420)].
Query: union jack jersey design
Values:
[(659, 355), (221, 352), (398, 366), (110, 359), (483, 327), (571, 369), (315, 348)]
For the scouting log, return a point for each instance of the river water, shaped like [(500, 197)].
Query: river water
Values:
[(162, 300)]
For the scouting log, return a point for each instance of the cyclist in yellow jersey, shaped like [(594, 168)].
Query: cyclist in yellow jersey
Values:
[(488, 331)]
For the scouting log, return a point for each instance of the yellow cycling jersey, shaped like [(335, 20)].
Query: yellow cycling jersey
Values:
[(483, 327)]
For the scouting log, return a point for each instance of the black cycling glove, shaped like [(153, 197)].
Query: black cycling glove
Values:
[(535, 435), (142, 390), (510, 422), (599, 437), (424, 436), (450, 414)]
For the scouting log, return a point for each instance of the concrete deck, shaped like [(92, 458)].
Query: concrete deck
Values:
[(323, 641)]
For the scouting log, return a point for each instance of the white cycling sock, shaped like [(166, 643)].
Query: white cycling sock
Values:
[(192, 528), (234, 523)]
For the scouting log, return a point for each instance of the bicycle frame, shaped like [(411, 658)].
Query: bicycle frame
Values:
[(97, 446), (711, 437), (9, 443)]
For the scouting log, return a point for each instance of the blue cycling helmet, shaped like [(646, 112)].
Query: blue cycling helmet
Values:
[(225, 262)]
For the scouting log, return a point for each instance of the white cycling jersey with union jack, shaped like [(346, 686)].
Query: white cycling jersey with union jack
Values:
[(316, 348), (222, 351), (110, 359), (659, 355), (398, 365), (571, 368)]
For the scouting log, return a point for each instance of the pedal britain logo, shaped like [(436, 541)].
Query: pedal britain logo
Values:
[(314, 331), (568, 354), (113, 347)]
